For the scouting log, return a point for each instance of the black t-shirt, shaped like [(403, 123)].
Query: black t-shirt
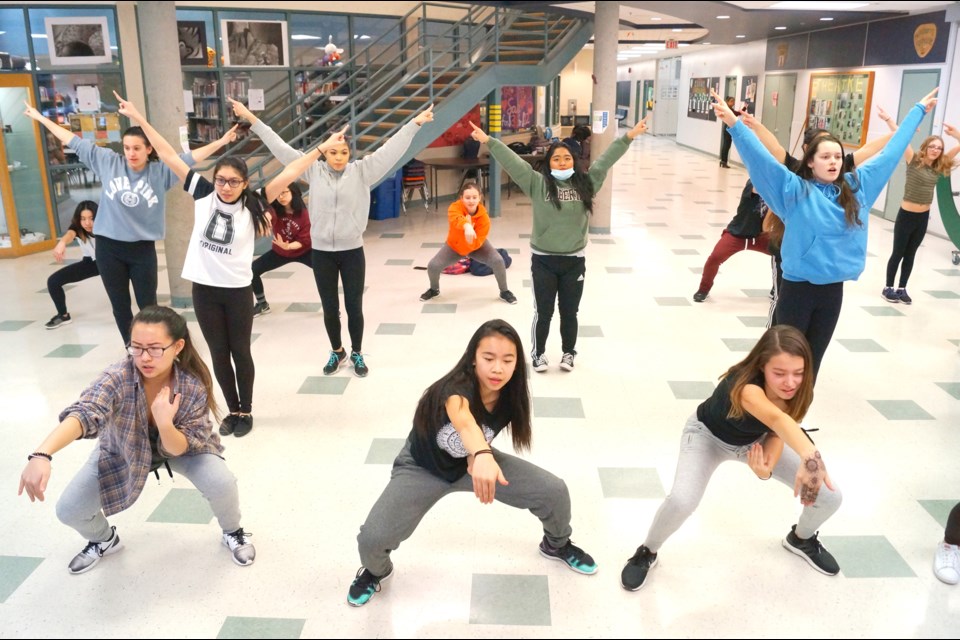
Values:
[(442, 453), (714, 410), (748, 223)]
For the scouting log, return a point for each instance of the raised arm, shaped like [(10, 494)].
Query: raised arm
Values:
[(376, 165), (765, 136), (955, 134), (599, 167), (202, 153), (280, 149), (293, 170), (63, 135), (483, 468)]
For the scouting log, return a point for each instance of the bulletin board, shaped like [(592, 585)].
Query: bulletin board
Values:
[(840, 103), (100, 128)]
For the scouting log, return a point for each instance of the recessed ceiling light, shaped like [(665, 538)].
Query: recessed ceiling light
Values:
[(741, 36), (826, 19), (780, 28), (723, 17), (676, 30), (704, 43), (654, 18)]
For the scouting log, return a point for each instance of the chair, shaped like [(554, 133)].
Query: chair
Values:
[(480, 175), (415, 177)]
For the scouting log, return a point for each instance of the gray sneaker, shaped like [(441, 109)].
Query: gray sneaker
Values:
[(91, 554), (242, 551)]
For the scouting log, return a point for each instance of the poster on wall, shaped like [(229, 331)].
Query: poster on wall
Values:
[(78, 41), (459, 131), (261, 43), (840, 103), (748, 94), (518, 108), (698, 104), (193, 42)]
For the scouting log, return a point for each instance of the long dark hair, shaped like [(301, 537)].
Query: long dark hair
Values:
[(847, 199), (778, 339), (137, 132), (188, 359), (580, 181), (251, 201), (514, 398), (75, 226), (296, 201)]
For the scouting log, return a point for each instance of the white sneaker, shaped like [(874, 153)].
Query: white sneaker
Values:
[(540, 363), (93, 552), (946, 563), (243, 552)]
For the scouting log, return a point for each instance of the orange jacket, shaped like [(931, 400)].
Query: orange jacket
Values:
[(457, 213)]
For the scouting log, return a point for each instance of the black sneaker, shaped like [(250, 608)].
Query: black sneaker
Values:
[(634, 574), (91, 554), (333, 363), (890, 295), (229, 424), (244, 425), (575, 557), (261, 309), (700, 296), (429, 294), (58, 321), (507, 296), (360, 368), (364, 586), (904, 298), (566, 362), (812, 551)]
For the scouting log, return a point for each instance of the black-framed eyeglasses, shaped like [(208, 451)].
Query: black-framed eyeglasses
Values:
[(154, 352), (233, 182)]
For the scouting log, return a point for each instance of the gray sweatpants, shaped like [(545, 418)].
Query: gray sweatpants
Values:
[(413, 490), (79, 506), (485, 254), (701, 453)]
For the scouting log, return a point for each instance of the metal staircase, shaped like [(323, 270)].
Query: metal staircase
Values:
[(452, 63)]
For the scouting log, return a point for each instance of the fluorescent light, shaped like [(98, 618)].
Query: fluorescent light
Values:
[(818, 6), (676, 30), (826, 19), (301, 36), (780, 28), (723, 17), (741, 36), (38, 35), (656, 19)]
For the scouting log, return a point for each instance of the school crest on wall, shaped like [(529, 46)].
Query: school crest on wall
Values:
[(923, 38)]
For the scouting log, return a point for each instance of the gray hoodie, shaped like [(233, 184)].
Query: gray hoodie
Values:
[(339, 201)]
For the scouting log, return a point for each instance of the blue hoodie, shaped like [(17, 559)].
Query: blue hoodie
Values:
[(818, 245)]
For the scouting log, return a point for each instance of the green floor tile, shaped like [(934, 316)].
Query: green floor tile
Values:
[(753, 321), (861, 345), (391, 236), (944, 295), (867, 557), (71, 351), (431, 245), (756, 293), (303, 307), (13, 571), (439, 308), (184, 506), (691, 390), (740, 344), (276, 275), (626, 482), (327, 386), (657, 224), (589, 331), (395, 329), (398, 262), (557, 408), (953, 388), (882, 311), (14, 325), (939, 509), (236, 627), (510, 599), (619, 269), (900, 410), (948, 272), (685, 252), (692, 237), (696, 270), (603, 241), (384, 450), (672, 302)]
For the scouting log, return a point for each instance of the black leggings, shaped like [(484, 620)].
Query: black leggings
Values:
[(951, 535), (121, 263), (270, 261), (814, 309), (557, 279), (226, 321), (349, 267), (78, 272), (908, 232)]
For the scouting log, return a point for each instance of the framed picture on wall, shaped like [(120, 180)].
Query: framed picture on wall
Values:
[(840, 102), (78, 41), (249, 43), (192, 36)]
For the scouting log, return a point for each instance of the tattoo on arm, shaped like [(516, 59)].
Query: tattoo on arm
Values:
[(814, 467)]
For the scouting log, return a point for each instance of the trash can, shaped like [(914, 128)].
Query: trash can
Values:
[(385, 197)]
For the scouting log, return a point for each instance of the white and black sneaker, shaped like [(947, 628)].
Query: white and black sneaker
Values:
[(261, 309), (812, 551), (93, 552), (540, 363), (58, 321), (566, 362), (242, 551)]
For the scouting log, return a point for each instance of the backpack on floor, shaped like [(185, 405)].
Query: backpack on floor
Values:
[(477, 268)]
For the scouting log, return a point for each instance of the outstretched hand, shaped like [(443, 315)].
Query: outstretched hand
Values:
[(640, 128), (336, 138), (722, 110), (230, 136), (240, 110), (34, 478), (811, 475), (31, 112), (486, 475), (424, 116), (478, 134), (929, 101), (127, 108), (951, 131)]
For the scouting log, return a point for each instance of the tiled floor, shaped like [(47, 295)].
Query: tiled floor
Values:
[(886, 404)]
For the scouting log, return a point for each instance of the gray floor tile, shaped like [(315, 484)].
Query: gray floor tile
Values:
[(303, 307), (691, 390), (325, 385), (384, 450), (391, 235), (65, 262), (718, 224), (900, 410), (948, 272), (753, 321), (672, 302), (867, 557), (627, 482), (697, 270), (589, 331), (692, 236), (14, 325), (366, 288), (189, 316), (71, 351), (276, 275), (237, 627), (184, 506), (163, 298), (395, 329), (685, 252), (13, 571), (619, 269), (66, 287), (953, 388), (526, 284), (439, 308), (861, 345), (398, 262), (432, 245), (603, 241), (254, 336), (882, 311), (756, 293), (526, 235), (939, 510), (739, 344), (509, 599), (955, 343), (511, 251), (657, 208), (657, 224), (944, 295), (557, 408)]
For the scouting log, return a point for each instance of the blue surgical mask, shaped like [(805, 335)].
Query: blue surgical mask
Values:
[(562, 174)]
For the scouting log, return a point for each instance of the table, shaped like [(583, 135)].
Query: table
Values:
[(452, 164)]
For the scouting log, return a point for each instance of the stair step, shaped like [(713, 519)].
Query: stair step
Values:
[(409, 98), (379, 125), (406, 113), (521, 43), (517, 54)]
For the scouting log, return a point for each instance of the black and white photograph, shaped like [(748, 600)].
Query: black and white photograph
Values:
[(193, 42), (78, 41), (250, 43)]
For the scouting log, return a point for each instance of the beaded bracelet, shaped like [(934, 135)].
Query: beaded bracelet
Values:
[(39, 454), (476, 453)]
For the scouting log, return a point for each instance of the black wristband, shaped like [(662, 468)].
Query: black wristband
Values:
[(476, 453), (40, 454)]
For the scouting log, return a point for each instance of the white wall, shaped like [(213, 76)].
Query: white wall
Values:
[(576, 82), (634, 73)]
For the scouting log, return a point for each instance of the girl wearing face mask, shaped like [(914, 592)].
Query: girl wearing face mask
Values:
[(924, 168), (562, 195), (81, 228), (131, 215), (469, 226), (825, 212), (227, 217), (339, 209), (291, 241)]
